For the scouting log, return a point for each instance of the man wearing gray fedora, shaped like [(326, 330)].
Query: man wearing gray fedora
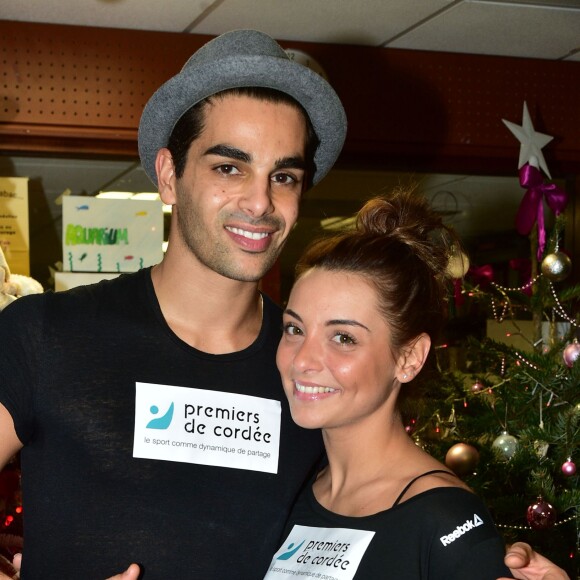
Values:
[(148, 409)]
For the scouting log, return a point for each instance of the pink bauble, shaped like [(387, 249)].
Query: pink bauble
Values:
[(569, 468), (571, 353), (541, 515)]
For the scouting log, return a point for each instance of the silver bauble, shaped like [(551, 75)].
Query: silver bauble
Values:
[(505, 446)]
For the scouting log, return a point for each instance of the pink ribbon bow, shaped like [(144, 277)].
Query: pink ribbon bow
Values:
[(481, 275), (532, 207)]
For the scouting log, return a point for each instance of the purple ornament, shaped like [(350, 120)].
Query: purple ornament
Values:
[(541, 515), (571, 353), (569, 468)]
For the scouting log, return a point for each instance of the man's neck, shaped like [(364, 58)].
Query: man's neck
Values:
[(206, 310)]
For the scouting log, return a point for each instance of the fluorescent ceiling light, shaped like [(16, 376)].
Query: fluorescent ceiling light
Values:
[(566, 4), (146, 196)]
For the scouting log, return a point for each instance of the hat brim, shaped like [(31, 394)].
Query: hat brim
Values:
[(191, 86)]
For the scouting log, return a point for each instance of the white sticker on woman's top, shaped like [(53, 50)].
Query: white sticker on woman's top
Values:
[(326, 553), (206, 427)]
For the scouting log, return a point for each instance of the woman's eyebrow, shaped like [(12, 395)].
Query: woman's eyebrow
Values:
[(347, 322), (333, 322), (292, 314)]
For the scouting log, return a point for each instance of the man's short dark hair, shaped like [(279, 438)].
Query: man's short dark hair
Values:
[(191, 124)]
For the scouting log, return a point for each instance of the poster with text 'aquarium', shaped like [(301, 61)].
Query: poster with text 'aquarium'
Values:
[(110, 235)]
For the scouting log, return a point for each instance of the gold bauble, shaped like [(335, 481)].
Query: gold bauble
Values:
[(556, 266), (462, 458), (458, 265)]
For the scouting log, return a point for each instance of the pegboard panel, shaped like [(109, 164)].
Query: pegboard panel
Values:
[(44, 85), (473, 93), (71, 89), (444, 111), (82, 83)]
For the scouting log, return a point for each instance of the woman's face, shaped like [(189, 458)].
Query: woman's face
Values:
[(334, 357)]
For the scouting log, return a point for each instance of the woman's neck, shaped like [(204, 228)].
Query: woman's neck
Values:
[(367, 467)]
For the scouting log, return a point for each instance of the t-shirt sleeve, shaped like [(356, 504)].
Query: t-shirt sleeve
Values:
[(20, 339), (483, 562), (465, 541)]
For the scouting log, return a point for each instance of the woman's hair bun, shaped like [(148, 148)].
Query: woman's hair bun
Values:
[(408, 217)]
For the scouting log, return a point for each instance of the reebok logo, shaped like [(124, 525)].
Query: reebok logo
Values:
[(462, 529)]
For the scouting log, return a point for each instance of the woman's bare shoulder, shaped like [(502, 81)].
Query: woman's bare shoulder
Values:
[(426, 481)]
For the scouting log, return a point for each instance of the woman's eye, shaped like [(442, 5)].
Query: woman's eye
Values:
[(291, 329), (343, 338)]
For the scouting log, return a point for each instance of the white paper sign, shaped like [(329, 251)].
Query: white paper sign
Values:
[(110, 235), (206, 427), (325, 553), (14, 227)]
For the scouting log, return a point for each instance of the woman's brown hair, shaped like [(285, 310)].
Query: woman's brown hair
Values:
[(401, 246)]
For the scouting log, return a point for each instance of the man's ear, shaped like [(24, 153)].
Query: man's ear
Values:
[(413, 357), (165, 176)]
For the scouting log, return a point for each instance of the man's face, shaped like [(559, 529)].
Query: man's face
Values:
[(239, 195)]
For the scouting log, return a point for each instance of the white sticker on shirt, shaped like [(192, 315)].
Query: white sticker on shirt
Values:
[(206, 427), (324, 553)]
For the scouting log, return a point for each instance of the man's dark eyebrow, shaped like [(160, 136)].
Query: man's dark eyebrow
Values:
[(222, 150), (291, 163), (229, 151)]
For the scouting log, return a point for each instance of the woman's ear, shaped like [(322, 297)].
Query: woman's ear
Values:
[(413, 357), (165, 176)]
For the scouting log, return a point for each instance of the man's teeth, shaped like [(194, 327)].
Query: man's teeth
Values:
[(313, 390), (249, 235)]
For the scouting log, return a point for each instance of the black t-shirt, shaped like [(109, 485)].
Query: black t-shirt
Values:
[(71, 365), (444, 533)]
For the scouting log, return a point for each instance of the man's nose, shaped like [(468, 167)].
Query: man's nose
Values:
[(257, 198)]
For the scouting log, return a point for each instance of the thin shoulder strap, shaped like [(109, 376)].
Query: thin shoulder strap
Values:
[(406, 488)]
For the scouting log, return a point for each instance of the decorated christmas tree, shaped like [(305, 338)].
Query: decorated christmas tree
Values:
[(503, 411)]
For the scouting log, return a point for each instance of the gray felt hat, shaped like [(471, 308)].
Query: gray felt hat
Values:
[(243, 58)]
